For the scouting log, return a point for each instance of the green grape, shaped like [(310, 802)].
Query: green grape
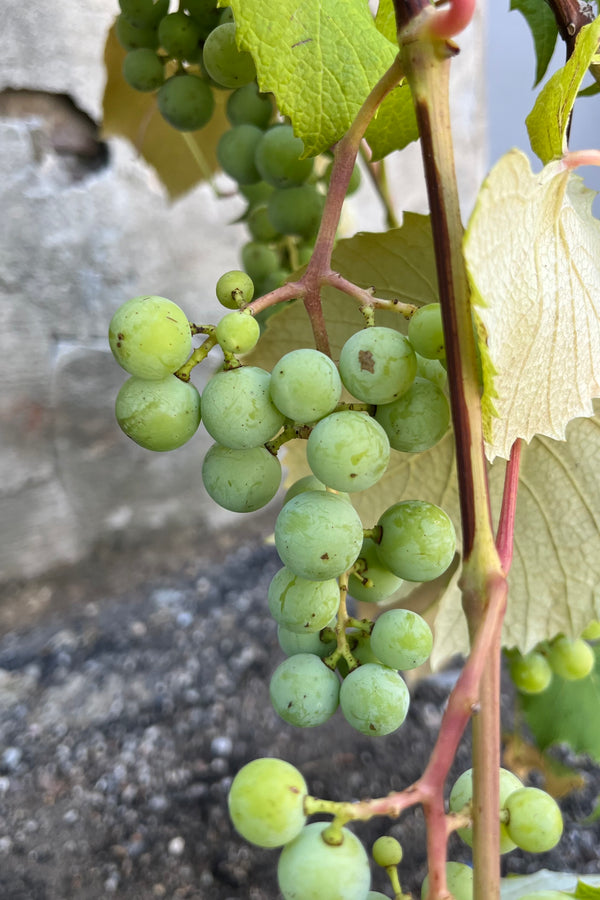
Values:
[(425, 332), (592, 631), (266, 802), (143, 70), (318, 535), (158, 415), (305, 385), (304, 691), (278, 158), (401, 639), (259, 225), (234, 289), (305, 252), (418, 420), (204, 13), (387, 851), (459, 878), (150, 337), (132, 38), (241, 480), (238, 332), (309, 483), (432, 370), (418, 540), (247, 106), (144, 13), (383, 582), (186, 102), (259, 260), (179, 35), (256, 194), (292, 643), (300, 605), (377, 364), (228, 66), (296, 210), (226, 16), (311, 869), (462, 794), (531, 673), (571, 659), (235, 152), (535, 821), (363, 652), (374, 699), (355, 178), (348, 451), (237, 410)]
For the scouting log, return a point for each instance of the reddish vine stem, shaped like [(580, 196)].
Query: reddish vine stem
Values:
[(506, 525)]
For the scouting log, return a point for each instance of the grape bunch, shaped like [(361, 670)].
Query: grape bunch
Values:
[(183, 56), (570, 659)]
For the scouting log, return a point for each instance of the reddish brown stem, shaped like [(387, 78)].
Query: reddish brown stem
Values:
[(506, 525)]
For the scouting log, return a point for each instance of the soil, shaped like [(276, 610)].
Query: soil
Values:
[(134, 685)]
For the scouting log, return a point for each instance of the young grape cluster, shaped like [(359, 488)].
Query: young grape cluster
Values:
[(570, 659)]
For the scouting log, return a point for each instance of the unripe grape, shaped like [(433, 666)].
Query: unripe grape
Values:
[(238, 332), (259, 260), (234, 289), (383, 582), (304, 691), (259, 225), (237, 410), (592, 631), (301, 605), (305, 385), (387, 851), (355, 178), (144, 13), (235, 152), (292, 643), (266, 801), (132, 38), (308, 483), (535, 821), (462, 794), (571, 659), (531, 673), (296, 210), (348, 450), (401, 639), (278, 158), (178, 35), (241, 480), (418, 419), (459, 878), (205, 15), (311, 869), (158, 415), (247, 106), (228, 66), (186, 102), (418, 540), (143, 70), (150, 337), (425, 331), (377, 364), (374, 699)]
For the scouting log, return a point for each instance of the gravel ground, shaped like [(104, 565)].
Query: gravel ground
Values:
[(133, 687)]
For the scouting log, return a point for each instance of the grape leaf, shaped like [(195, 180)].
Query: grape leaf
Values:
[(532, 249), (385, 20), (567, 711), (134, 115), (554, 582), (548, 121), (585, 891), (320, 58), (544, 29)]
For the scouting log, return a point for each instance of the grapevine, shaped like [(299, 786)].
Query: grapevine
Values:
[(409, 376)]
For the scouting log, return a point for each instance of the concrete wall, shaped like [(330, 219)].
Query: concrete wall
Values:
[(80, 234)]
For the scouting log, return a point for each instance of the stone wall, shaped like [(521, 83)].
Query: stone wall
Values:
[(83, 228)]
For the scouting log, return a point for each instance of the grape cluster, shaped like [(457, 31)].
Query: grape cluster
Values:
[(570, 659), (529, 817), (183, 56)]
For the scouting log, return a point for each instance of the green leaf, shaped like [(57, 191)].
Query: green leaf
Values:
[(181, 161), (321, 58), (548, 121), (544, 29), (385, 20), (554, 581), (567, 712), (516, 886), (590, 91), (585, 891), (532, 249)]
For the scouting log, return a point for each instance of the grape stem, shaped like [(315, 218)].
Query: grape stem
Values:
[(378, 175), (365, 297)]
